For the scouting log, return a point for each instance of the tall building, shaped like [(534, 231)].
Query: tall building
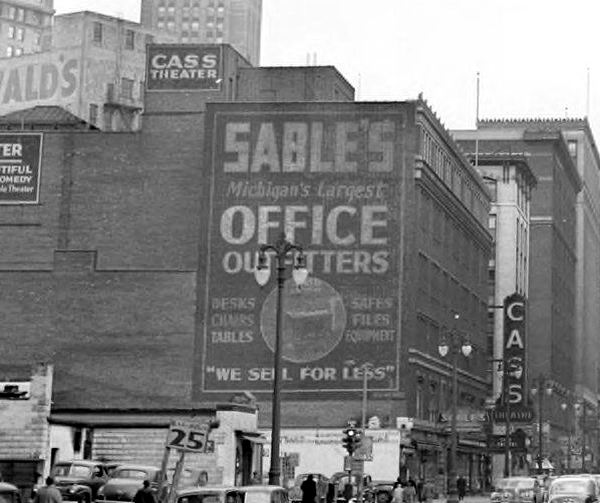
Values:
[(552, 339), (25, 26), (236, 22)]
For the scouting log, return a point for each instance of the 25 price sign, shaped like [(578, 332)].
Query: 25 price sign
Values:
[(188, 437)]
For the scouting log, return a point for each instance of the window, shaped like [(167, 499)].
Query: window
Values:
[(171, 26), (11, 32), (12, 13), (18, 51), (97, 35), (572, 144), (20, 34), (93, 113), (195, 26), (129, 39), (160, 25), (127, 88), (37, 38), (9, 51), (21, 15)]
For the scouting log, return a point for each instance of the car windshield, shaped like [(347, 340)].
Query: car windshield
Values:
[(202, 498), (71, 471), (514, 483), (570, 486), (130, 474), (258, 497)]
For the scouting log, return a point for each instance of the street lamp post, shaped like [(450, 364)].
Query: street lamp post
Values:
[(443, 348), (565, 406), (582, 406), (541, 383), (281, 249)]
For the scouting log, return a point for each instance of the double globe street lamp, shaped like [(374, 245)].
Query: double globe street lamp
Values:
[(541, 387), (456, 345), (278, 251)]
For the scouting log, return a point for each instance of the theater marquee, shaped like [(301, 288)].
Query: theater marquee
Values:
[(184, 67), (330, 176)]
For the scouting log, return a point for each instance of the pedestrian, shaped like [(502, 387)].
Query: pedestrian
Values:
[(309, 490), (420, 490), (48, 493), (255, 480), (145, 494), (461, 486), (410, 493), (330, 496), (398, 493)]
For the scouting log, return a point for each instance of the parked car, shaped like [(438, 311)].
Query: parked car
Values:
[(125, 482), (211, 494), (9, 493), (264, 494), (573, 489), (321, 480), (79, 480), (517, 490)]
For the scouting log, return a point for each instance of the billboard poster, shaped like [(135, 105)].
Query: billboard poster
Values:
[(514, 350), (330, 179), (20, 159), (184, 67)]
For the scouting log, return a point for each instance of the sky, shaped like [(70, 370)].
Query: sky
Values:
[(535, 58)]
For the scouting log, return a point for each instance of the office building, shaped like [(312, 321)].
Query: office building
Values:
[(25, 26), (235, 22)]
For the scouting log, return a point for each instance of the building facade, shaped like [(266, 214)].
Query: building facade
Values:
[(95, 70), (552, 313), (112, 263), (235, 22), (25, 26)]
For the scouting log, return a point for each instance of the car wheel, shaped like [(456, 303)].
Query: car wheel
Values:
[(85, 498)]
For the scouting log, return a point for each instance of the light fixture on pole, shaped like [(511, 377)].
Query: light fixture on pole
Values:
[(565, 407), (281, 249), (537, 390), (444, 348)]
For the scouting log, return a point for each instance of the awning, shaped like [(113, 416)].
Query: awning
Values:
[(252, 436)]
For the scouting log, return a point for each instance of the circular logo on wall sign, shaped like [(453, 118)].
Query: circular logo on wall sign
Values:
[(314, 319)]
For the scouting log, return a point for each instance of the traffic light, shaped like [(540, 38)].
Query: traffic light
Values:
[(352, 439), (348, 439)]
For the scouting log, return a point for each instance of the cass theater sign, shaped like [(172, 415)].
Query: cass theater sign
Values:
[(329, 176)]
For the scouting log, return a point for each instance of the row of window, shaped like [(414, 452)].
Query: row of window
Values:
[(129, 36), (445, 166), (12, 51), (25, 16)]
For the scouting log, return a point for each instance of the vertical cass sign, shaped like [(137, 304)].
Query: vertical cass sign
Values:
[(330, 177), (20, 159), (514, 350), (184, 67)]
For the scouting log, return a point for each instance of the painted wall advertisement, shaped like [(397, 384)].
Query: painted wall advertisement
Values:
[(331, 180), (20, 157), (184, 67), (34, 79)]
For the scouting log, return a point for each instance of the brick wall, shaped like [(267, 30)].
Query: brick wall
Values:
[(23, 423)]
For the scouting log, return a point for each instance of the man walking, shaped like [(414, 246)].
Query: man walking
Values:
[(309, 490), (48, 493), (145, 494)]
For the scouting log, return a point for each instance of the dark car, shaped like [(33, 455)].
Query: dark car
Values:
[(321, 481), (125, 481), (79, 480), (517, 490), (9, 493), (573, 490)]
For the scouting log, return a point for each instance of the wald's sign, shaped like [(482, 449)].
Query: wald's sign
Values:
[(20, 156), (183, 67), (330, 177)]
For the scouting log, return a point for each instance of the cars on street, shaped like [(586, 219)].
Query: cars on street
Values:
[(264, 494), (517, 490), (573, 489), (210, 494), (79, 480), (125, 482), (321, 480), (9, 493)]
